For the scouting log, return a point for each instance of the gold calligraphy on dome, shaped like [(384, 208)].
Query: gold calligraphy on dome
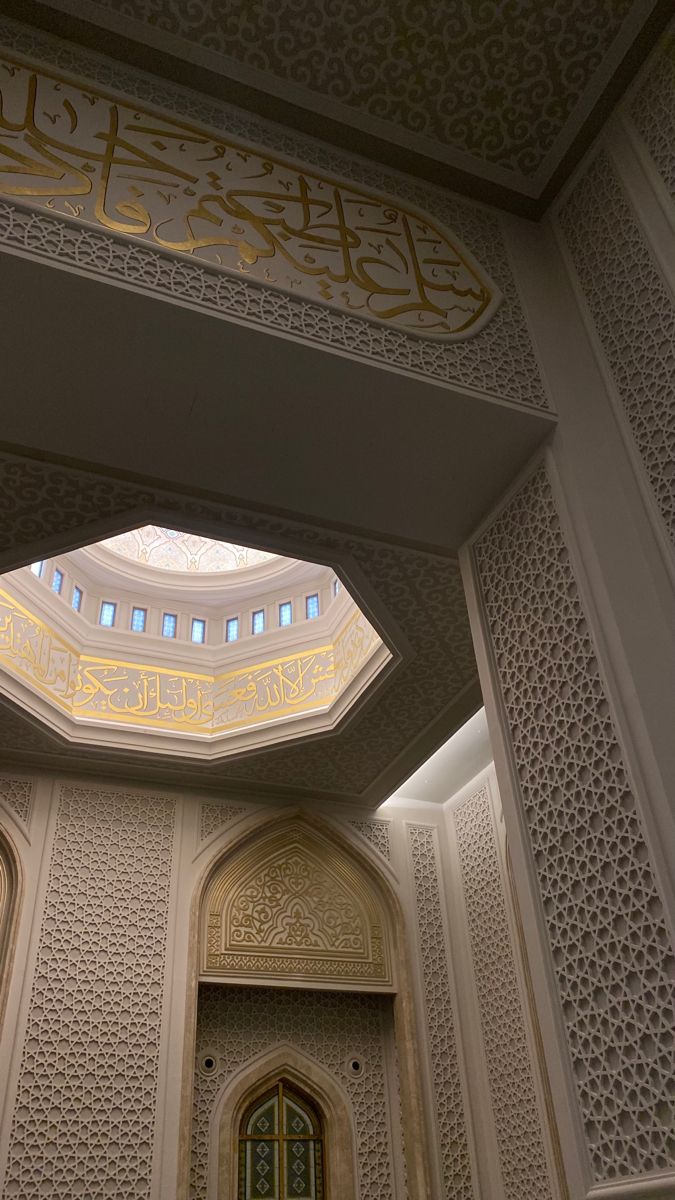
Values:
[(149, 697), (109, 163)]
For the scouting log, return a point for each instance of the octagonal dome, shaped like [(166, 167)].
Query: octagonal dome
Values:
[(162, 640)]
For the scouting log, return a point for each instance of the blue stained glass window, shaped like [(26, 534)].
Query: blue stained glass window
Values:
[(138, 619), (232, 629), (57, 581), (286, 613), (76, 599), (107, 617), (169, 624), (336, 586), (258, 621), (38, 567), (312, 606), (198, 630)]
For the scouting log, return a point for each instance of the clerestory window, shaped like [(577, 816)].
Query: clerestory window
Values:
[(281, 1148)]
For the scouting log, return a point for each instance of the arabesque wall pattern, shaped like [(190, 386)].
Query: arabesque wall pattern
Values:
[(610, 945), (85, 1109), (392, 62), (633, 314), (439, 1014), (289, 906), (17, 794), (516, 1112), (652, 110)]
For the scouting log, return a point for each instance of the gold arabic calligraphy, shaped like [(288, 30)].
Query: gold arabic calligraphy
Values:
[(104, 161), (159, 698)]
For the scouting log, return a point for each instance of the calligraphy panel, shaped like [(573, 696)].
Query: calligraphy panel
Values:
[(96, 689), (105, 161)]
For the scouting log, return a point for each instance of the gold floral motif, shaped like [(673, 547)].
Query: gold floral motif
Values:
[(293, 902), (291, 905)]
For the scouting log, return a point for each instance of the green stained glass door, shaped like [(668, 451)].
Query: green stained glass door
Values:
[(281, 1148)]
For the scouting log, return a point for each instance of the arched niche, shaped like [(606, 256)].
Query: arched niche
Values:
[(9, 902), (290, 906), (285, 1062), (372, 888)]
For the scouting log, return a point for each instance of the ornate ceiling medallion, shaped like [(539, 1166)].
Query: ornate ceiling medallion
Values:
[(173, 550), (107, 162)]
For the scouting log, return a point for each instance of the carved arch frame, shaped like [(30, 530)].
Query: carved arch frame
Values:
[(413, 1115), (368, 967), (11, 888), (284, 1060)]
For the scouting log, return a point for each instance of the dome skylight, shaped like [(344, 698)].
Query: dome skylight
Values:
[(173, 550), (161, 640)]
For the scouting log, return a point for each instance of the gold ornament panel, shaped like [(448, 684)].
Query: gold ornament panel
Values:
[(292, 907), (148, 697), (105, 161)]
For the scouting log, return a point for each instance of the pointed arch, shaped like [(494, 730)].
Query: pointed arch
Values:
[(10, 879), (291, 905), (285, 1064), (382, 886)]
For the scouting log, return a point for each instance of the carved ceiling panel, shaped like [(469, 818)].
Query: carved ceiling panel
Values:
[(495, 91), (494, 80)]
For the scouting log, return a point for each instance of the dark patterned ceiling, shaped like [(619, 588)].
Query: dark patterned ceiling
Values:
[(497, 81), (496, 99)]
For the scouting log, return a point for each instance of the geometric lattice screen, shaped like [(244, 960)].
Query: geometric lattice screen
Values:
[(610, 946)]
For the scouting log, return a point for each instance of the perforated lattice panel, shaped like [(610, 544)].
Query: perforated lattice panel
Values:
[(440, 1021), (236, 1024), (610, 945), (84, 1116), (377, 833), (522, 1156), (634, 315), (653, 112), (216, 816), (17, 794)]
